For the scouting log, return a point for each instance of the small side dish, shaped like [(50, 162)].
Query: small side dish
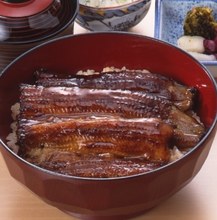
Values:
[(114, 123), (169, 26), (200, 34)]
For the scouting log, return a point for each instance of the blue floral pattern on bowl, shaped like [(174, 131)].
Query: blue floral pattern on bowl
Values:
[(112, 19)]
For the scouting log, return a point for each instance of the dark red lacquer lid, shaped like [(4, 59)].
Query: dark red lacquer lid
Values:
[(27, 21), (22, 8)]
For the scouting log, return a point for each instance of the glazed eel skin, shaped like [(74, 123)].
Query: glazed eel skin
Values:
[(105, 125), (134, 80), (98, 135)]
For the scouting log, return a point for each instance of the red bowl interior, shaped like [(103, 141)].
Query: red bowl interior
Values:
[(95, 51)]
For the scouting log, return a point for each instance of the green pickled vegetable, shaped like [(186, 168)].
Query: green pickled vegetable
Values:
[(200, 21)]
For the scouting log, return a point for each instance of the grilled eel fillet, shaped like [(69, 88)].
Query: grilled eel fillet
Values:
[(38, 100), (95, 146), (147, 138), (92, 165), (135, 80), (107, 125)]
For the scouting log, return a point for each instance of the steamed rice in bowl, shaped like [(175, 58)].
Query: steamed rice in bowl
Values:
[(105, 164), (12, 137), (105, 3)]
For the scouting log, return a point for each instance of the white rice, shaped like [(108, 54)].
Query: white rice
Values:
[(175, 154), (105, 3), (90, 72), (12, 137)]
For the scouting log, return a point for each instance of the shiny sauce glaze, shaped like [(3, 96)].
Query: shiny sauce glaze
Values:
[(111, 124)]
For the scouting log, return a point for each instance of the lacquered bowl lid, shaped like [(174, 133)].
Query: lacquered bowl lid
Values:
[(27, 21), (22, 8)]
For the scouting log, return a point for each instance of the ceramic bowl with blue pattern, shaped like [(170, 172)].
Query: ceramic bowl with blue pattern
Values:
[(116, 18), (169, 20)]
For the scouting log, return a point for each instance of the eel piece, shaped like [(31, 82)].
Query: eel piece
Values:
[(145, 81), (39, 100), (149, 138), (109, 124), (90, 165), (188, 130)]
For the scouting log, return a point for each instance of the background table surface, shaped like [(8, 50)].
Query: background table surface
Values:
[(196, 201)]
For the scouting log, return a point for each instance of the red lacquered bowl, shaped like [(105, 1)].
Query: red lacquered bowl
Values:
[(111, 198)]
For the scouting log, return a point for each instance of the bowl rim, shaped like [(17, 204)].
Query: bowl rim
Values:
[(69, 177), (117, 7)]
